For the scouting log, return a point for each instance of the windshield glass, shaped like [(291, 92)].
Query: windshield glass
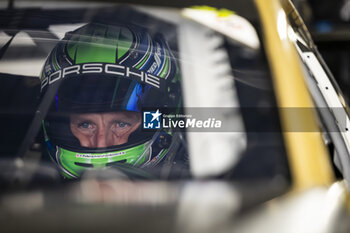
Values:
[(159, 92)]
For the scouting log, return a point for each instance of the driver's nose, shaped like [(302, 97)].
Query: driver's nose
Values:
[(101, 138)]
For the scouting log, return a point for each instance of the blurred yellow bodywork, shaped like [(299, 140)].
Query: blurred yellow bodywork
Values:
[(307, 154)]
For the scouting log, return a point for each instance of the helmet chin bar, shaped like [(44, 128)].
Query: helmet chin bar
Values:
[(154, 151)]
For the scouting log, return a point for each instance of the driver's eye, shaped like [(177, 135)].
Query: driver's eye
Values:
[(122, 124), (85, 125)]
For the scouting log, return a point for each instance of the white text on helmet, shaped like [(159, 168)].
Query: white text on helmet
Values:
[(103, 68)]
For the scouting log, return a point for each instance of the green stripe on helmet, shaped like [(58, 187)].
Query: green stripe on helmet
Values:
[(104, 44), (74, 162), (143, 62), (99, 49), (99, 46)]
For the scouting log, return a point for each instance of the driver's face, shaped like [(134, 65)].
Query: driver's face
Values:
[(104, 129)]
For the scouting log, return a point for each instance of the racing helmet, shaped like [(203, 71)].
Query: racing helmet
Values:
[(107, 69)]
